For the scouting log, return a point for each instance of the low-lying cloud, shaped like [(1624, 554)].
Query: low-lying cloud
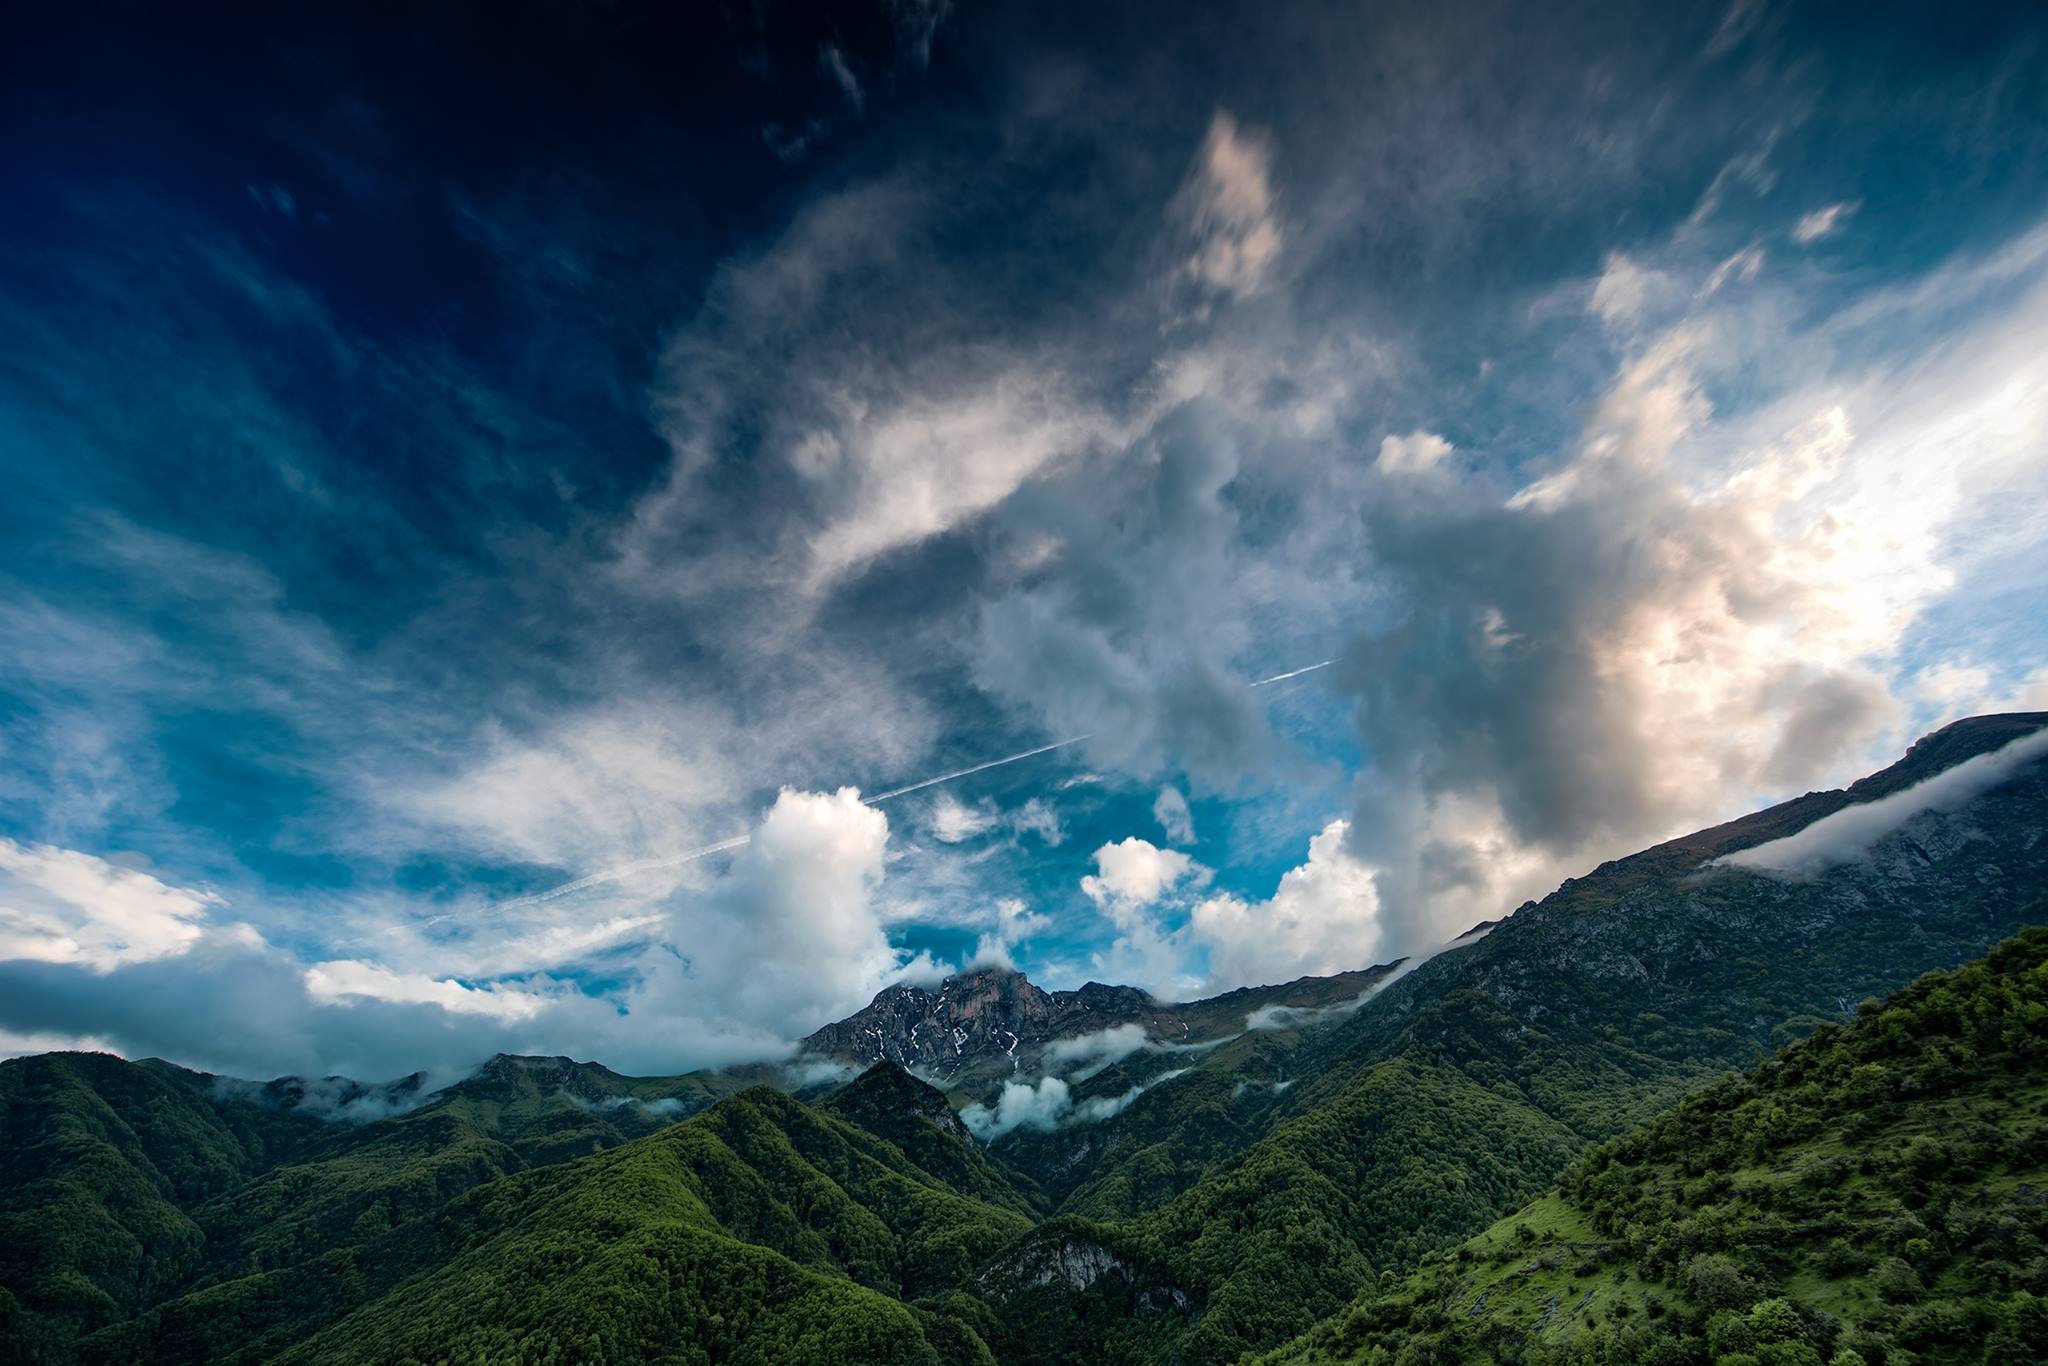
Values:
[(1048, 1104), (1851, 833)]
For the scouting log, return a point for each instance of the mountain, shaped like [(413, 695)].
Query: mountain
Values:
[(992, 1023), (1875, 1193), (1461, 1089), (762, 1230), (1180, 1183)]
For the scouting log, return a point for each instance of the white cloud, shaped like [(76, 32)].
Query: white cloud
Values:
[(1323, 918), (1047, 1104), (1416, 453), (1087, 1054), (1849, 834), (64, 906), (1131, 874), (1821, 222), (595, 789), (1627, 291), (1012, 923), (912, 469), (1170, 809), (1227, 205), (954, 821), (347, 979), (1741, 268)]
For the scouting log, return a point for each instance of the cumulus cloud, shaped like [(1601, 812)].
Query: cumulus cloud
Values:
[(63, 906), (1850, 834), (1133, 873), (1324, 917), (953, 821)]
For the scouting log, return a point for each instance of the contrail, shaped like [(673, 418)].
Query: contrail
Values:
[(881, 797), (1292, 673), (646, 865), (677, 860)]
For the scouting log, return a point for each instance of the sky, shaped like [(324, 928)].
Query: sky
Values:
[(495, 503)]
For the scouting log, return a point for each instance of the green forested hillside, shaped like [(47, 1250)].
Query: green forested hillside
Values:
[(104, 1160), (1582, 1015), (1877, 1193)]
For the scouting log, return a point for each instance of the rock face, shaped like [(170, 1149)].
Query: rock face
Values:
[(992, 1021)]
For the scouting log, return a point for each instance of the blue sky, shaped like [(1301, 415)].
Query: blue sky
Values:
[(451, 463)]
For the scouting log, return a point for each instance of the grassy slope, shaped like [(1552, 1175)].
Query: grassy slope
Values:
[(1879, 1189)]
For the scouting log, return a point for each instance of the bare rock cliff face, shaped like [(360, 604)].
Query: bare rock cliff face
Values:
[(990, 1022)]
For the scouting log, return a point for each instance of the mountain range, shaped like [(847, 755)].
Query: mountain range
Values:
[(1598, 1129)]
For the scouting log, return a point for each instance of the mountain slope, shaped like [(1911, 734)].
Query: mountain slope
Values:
[(103, 1160), (1879, 1189), (760, 1230), (1598, 1005)]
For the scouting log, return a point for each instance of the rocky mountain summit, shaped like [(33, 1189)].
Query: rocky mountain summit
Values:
[(993, 1022)]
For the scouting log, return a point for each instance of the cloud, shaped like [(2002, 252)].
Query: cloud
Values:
[(345, 980), (1687, 614), (917, 23), (63, 906), (796, 938), (1047, 1104), (1227, 207), (1170, 809), (1087, 1054), (1823, 222), (832, 61), (1324, 917), (1132, 873), (1012, 922), (1039, 1106), (1851, 833), (1416, 453), (1627, 291), (952, 821)]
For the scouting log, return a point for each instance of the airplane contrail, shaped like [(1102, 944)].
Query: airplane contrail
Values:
[(1292, 673), (881, 797), (678, 860), (646, 865)]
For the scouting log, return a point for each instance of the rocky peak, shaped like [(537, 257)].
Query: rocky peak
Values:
[(987, 1022)]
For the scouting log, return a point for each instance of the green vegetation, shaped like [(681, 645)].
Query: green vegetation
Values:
[(1878, 1193)]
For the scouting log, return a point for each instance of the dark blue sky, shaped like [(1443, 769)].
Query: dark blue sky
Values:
[(454, 459)]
